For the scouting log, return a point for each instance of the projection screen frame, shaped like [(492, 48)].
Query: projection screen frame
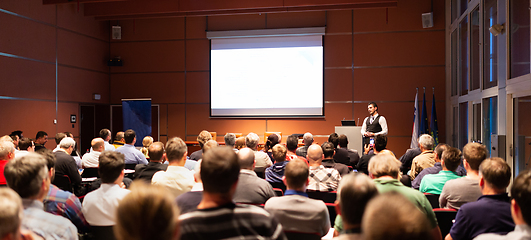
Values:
[(266, 33)]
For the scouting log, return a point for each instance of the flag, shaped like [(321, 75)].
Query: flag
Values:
[(415, 133), (434, 129), (424, 127)]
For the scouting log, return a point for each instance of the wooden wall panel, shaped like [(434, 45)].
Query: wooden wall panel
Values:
[(339, 22), (160, 87), (40, 44), (176, 121), (197, 55), (29, 117), (400, 83), (33, 9), (149, 56), (79, 85), (236, 22), (338, 84), (163, 122), (296, 19), (196, 27), (150, 29), (18, 81), (198, 119), (407, 16), (70, 18), (63, 118), (197, 87), (399, 49), (338, 51), (71, 46)]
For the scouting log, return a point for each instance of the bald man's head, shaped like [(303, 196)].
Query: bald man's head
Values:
[(97, 144), (246, 158), (315, 154)]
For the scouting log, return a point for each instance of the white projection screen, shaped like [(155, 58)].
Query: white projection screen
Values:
[(267, 76)]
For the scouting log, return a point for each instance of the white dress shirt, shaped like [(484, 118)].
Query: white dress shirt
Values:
[(91, 159), (177, 179), (99, 206), (383, 124)]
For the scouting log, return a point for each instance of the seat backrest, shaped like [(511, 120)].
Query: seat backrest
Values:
[(130, 166), (332, 212), (90, 172), (445, 218), (278, 192), (103, 232), (63, 182), (260, 172), (301, 236), (279, 185), (327, 197), (433, 199)]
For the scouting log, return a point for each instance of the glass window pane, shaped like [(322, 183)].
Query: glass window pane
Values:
[(455, 124), (520, 56), (464, 4), (454, 10), (490, 50), (474, 50), (522, 128), (463, 56), (476, 109), (463, 124), (454, 63), (490, 120)]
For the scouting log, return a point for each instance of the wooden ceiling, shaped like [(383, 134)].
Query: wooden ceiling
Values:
[(135, 9)]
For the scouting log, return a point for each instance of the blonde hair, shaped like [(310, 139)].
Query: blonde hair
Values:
[(152, 204), (384, 165), (146, 142)]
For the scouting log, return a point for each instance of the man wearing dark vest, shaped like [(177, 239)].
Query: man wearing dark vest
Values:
[(374, 124)]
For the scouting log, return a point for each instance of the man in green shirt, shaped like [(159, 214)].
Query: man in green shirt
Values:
[(385, 170), (434, 183)]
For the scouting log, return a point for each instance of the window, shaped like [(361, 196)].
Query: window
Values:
[(463, 56), (455, 124), (490, 120), (519, 35), (490, 45), (475, 48), (464, 4), (454, 10), (476, 121), (522, 134), (454, 63), (463, 124)]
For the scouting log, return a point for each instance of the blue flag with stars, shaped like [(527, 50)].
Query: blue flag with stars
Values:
[(424, 128), (434, 129)]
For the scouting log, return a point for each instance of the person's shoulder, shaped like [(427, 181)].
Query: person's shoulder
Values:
[(492, 236)]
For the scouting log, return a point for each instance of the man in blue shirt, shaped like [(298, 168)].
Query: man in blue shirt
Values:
[(434, 183), (132, 155), (491, 213)]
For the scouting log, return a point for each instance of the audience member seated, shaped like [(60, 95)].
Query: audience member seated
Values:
[(262, 159), (118, 140), (437, 167), (396, 219), (105, 134), (433, 183), (407, 159), (520, 210), (425, 159), (239, 143), (230, 140), (329, 162), (7, 153), (272, 140), (491, 213), (355, 191), (307, 139), (188, 201), (321, 179), (385, 170), (146, 142), (11, 217), (29, 177), (219, 172), (380, 143), (353, 155), (58, 137), (16, 138), (90, 159), (275, 173), (156, 158), (59, 202), (65, 164), (250, 188), (202, 138), (99, 206), (26, 146), (295, 211), (177, 179), (40, 140), (341, 155), (131, 154), (459, 191), (75, 154), (292, 142), (147, 213)]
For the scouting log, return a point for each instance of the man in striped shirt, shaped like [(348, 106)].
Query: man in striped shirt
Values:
[(217, 216)]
